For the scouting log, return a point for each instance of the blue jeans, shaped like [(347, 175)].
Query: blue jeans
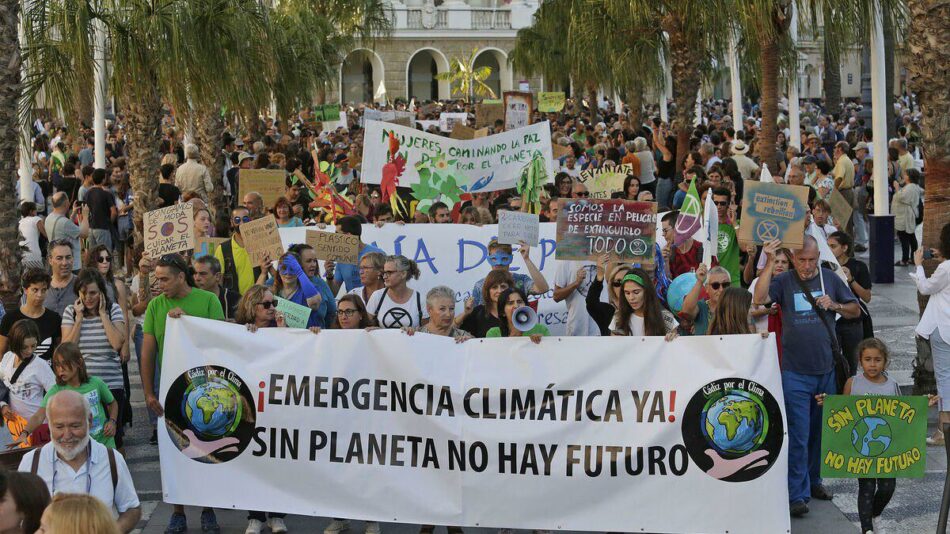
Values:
[(804, 430)]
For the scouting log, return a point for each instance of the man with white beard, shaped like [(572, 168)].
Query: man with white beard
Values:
[(74, 463)]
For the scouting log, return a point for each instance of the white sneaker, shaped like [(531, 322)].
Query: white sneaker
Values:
[(254, 526), (878, 524), (336, 526), (372, 527), (276, 525)]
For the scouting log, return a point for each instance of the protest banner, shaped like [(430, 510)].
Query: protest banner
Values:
[(342, 248), (558, 150), (518, 109), (269, 183), (205, 246), (840, 209), (871, 436), (626, 229), (773, 211), (487, 113), (168, 230), (295, 315), (456, 255), (403, 118), (423, 430), (484, 164), (447, 121), (262, 239), (605, 181), (551, 102), (515, 227)]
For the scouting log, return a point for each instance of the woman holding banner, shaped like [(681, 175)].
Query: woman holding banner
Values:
[(293, 284), (397, 305), (478, 320), (640, 312), (603, 312), (371, 275), (510, 301)]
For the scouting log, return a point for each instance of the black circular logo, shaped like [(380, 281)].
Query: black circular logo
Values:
[(732, 429), (396, 318), (209, 414)]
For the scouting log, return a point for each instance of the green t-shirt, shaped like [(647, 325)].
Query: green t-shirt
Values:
[(97, 393), (538, 329), (703, 317), (198, 303), (728, 253)]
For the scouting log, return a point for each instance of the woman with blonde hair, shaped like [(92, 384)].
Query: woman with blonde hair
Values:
[(74, 512), (732, 315)]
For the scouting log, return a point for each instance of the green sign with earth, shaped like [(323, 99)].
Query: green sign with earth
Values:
[(873, 436)]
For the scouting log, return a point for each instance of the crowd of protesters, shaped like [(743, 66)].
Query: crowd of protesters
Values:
[(91, 299)]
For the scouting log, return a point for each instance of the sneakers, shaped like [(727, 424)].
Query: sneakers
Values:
[(822, 493), (937, 440), (276, 525), (177, 524), (372, 527), (154, 439), (798, 509), (209, 522), (337, 525), (878, 524), (254, 526)]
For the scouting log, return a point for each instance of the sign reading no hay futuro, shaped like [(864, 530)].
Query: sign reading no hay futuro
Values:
[(492, 433)]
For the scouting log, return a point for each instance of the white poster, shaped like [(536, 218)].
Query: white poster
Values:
[(456, 255), (484, 164), (447, 121), (600, 434)]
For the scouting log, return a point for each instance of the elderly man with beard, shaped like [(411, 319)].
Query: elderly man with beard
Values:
[(74, 463)]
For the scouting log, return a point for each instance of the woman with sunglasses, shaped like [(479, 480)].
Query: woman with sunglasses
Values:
[(478, 320), (293, 284), (397, 305), (603, 312), (371, 275), (698, 310), (640, 312), (509, 302)]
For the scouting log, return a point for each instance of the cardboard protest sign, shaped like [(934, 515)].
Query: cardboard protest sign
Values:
[(626, 229), (170, 229), (295, 315), (515, 227), (551, 102), (404, 118), (487, 113), (270, 183), (205, 246), (559, 151), (447, 121), (605, 181), (840, 209), (452, 166), (261, 239), (773, 211), (518, 107), (342, 248), (873, 436), (462, 132)]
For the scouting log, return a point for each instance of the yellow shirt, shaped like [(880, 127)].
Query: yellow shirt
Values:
[(843, 173), (242, 264)]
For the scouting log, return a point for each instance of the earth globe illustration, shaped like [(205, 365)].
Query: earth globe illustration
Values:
[(735, 424), (212, 408), (871, 436)]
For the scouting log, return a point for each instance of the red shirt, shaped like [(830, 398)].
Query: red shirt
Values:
[(684, 262)]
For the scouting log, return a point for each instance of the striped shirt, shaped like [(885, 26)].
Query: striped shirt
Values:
[(101, 359)]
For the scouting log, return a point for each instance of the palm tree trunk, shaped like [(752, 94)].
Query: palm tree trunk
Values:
[(889, 53), (592, 103), (82, 110), (832, 80), (929, 76), (209, 133), (10, 90), (765, 142), (143, 127), (635, 96), (684, 71)]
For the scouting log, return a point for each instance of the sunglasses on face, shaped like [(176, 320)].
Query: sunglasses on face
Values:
[(717, 285), (266, 304), (105, 259), (239, 220), (582, 194), (618, 282), (721, 202)]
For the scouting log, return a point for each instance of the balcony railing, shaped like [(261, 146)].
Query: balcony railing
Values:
[(491, 19), (474, 18)]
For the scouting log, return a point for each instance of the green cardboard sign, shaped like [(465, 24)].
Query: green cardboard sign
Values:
[(295, 315), (550, 102), (873, 436)]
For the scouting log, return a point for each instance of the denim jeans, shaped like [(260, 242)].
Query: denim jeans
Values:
[(804, 430)]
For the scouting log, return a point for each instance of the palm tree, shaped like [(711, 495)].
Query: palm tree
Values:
[(9, 147), (467, 79)]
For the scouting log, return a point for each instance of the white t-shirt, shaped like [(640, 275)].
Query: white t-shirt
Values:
[(761, 323), (579, 322), (31, 240), (393, 315), (30, 387), (636, 323)]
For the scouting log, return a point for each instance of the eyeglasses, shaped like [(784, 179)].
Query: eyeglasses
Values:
[(582, 194), (720, 202), (266, 304), (390, 273), (347, 313), (105, 259), (239, 220), (717, 285)]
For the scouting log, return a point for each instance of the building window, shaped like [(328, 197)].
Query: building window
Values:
[(850, 78)]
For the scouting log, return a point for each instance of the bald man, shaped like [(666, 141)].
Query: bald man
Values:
[(74, 463)]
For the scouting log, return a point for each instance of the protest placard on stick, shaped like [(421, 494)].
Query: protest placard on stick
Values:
[(487, 113), (773, 211), (625, 229), (269, 183), (342, 248), (295, 315), (168, 230), (550, 102), (840, 209), (605, 181), (262, 239), (515, 227), (518, 109)]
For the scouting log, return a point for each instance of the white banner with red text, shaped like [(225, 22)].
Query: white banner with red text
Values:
[(600, 434)]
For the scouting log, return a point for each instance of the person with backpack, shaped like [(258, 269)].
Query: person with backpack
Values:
[(397, 305), (239, 273)]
